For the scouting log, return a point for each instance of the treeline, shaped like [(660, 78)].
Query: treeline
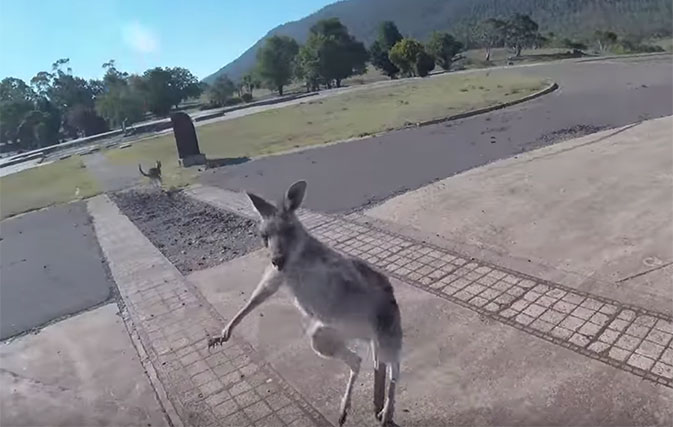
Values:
[(633, 20), (331, 54), (57, 105)]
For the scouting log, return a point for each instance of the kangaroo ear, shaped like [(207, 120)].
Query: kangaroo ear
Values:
[(264, 208), (295, 195)]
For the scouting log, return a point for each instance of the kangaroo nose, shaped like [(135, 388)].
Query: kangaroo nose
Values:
[(278, 262)]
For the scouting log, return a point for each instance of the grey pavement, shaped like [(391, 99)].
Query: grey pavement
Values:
[(50, 266), (226, 386), (83, 371), (459, 366), (593, 95), (111, 177), (593, 213), (484, 344)]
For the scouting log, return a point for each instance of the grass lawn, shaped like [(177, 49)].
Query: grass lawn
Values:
[(356, 114), (44, 186), (349, 115)]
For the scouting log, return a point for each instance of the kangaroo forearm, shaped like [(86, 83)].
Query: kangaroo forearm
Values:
[(256, 299)]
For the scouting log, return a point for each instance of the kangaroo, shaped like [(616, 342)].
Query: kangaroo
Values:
[(343, 299), (154, 174)]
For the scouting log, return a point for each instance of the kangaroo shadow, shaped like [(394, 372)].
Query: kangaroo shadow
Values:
[(225, 161)]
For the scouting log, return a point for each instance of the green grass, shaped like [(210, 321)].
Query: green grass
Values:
[(314, 122), (44, 186), (359, 113)]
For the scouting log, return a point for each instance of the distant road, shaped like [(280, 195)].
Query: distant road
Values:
[(593, 95)]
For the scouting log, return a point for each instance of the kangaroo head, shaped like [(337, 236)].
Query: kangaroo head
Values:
[(280, 229)]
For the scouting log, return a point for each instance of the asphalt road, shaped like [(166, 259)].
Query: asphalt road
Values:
[(593, 95), (50, 266)]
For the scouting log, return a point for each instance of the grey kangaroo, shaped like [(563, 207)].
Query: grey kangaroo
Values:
[(343, 299), (154, 174)]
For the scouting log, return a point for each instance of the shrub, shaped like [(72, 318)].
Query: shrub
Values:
[(233, 101), (424, 63)]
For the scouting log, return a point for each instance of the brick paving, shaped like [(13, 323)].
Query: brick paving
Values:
[(627, 337), (225, 386)]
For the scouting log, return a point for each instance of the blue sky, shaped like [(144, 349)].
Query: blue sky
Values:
[(201, 35)]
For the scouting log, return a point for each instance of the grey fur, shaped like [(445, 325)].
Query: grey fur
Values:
[(343, 299), (154, 174)]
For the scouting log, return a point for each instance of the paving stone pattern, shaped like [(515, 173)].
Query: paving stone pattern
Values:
[(225, 386), (627, 337)]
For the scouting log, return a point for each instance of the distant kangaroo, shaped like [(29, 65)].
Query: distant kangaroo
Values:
[(343, 299), (154, 174)]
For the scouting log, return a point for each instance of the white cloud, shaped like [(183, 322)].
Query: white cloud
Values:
[(140, 38)]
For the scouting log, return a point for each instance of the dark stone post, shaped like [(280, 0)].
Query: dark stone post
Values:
[(185, 138)]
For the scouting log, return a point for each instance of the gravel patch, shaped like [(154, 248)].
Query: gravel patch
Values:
[(191, 234), (569, 133)]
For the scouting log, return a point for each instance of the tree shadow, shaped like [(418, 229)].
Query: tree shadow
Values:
[(225, 161)]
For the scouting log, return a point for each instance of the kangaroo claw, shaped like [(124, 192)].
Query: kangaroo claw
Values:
[(214, 341)]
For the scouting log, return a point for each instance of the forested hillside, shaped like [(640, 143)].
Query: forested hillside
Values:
[(418, 18)]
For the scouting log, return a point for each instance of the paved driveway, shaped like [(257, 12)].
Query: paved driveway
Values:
[(593, 95), (50, 266)]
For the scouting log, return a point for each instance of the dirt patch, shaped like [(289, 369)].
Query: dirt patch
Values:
[(191, 234)]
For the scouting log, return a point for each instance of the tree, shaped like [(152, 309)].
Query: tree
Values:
[(404, 54), (491, 33), (164, 88), (331, 54), (221, 90), (67, 91), (424, 63), (520, 32), (605, 39), (72, 96), (41, 82), (250, 82), (275, 61), (16, 100), (307, 64), (389, 35), (120, 103), (184, 85), (113, 77), (85, 120), (39, 127), (156, 86), (443, 47), (379, 50)]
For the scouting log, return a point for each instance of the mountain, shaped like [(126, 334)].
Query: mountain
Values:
[(418, 18)]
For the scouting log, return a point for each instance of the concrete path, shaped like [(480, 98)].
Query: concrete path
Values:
[(483, 344), (593, 213), (592, 95), (83, 371), (111, 177), (460, 367), (229, 385), (50, 266)]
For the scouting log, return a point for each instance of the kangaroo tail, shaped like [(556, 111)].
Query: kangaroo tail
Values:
[(140, 168)]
